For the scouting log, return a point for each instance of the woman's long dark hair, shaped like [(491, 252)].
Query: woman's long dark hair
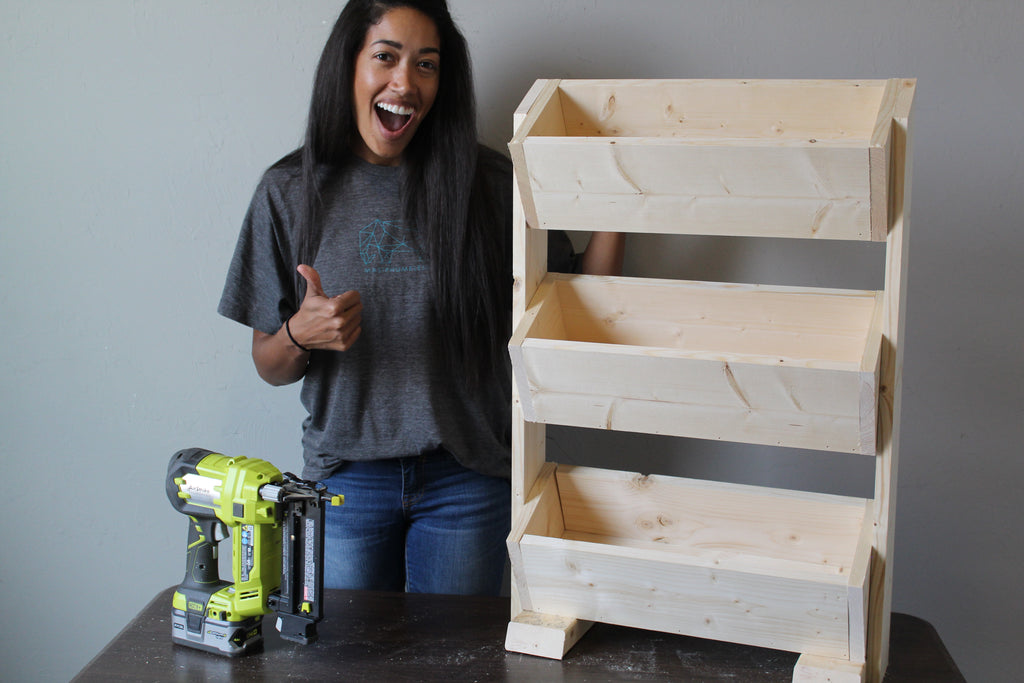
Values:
[(446, 196)]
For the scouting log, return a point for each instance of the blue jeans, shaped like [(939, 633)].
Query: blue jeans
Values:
[(424, 524)]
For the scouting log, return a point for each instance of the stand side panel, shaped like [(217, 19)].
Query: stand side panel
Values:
[(890, 393)]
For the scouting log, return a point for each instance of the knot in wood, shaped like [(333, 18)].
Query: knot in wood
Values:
[(642, 481)]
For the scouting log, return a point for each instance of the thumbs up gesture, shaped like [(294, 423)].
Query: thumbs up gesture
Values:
[(326, 322)]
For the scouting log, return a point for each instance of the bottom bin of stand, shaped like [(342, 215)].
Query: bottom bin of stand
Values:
[(765, 567)]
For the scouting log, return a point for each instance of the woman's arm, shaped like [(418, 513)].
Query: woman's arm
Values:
[(322, 322), (604, 254), (277, 360)]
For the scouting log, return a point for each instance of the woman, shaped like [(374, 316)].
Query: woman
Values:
[(374, 265)]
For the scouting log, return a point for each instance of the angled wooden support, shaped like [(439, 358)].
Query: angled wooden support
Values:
[(529, 265), (891, 380)]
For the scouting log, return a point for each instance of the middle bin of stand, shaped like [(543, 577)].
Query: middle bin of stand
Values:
[(780, 366)]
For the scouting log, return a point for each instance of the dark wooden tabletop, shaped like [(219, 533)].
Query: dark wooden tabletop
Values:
[(392, 637)]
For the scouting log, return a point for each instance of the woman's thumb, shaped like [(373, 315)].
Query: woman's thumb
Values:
[(312, 280)]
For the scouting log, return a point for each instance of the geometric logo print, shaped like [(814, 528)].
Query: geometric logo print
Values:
[(381, 241)]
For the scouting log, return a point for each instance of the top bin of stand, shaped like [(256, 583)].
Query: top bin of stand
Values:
[(773, 158)]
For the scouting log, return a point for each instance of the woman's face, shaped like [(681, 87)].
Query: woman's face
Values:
[(395, 83)]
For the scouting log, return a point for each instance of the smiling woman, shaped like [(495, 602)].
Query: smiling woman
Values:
[(396, 79), (374, 264)]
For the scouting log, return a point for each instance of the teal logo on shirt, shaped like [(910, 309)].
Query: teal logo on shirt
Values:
[(385, 246)]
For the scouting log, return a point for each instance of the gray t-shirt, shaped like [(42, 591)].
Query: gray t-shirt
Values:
[(391, 394)]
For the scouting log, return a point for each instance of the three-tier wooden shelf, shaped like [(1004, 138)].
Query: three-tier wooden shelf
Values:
[(796, 367)]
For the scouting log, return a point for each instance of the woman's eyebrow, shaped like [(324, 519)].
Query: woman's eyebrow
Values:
[(398, 46)]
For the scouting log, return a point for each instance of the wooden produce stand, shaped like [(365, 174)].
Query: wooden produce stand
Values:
[(797, 367)]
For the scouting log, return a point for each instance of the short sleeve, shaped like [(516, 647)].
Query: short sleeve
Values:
[(260, 289)]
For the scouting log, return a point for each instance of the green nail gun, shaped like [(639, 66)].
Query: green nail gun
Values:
[(277, 530)]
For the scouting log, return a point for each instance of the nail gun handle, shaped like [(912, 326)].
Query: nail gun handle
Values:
[(201, 557)]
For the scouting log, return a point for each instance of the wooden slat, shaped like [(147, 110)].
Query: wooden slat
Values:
[(714, 522), (654, 590), (529, 264), (540, 514), (778, 366), (890, 390), (762, 158), (806, 190), (544, 635), (815, 669), (888, 109), (539, 113), (543, 312), (737, 424), (881, 159), (716, 109), (802, 326), (529, 250), (870, 367), (530, 632), (738, 563), (860, 579)]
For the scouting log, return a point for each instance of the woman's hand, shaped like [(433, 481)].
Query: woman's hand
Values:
[(322, 322)]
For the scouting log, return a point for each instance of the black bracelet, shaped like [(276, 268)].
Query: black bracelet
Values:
[(289, 331)]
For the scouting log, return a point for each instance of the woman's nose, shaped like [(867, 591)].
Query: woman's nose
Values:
[(401, 79)]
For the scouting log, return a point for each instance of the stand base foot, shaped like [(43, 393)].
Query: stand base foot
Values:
[(812, 669), (544, 635)]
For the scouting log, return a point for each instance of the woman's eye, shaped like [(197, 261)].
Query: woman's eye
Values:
[(428, 66)]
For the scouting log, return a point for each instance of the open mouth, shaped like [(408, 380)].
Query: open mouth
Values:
[(393, 117)]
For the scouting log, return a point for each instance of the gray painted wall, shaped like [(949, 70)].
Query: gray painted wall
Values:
[(133, 132)]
